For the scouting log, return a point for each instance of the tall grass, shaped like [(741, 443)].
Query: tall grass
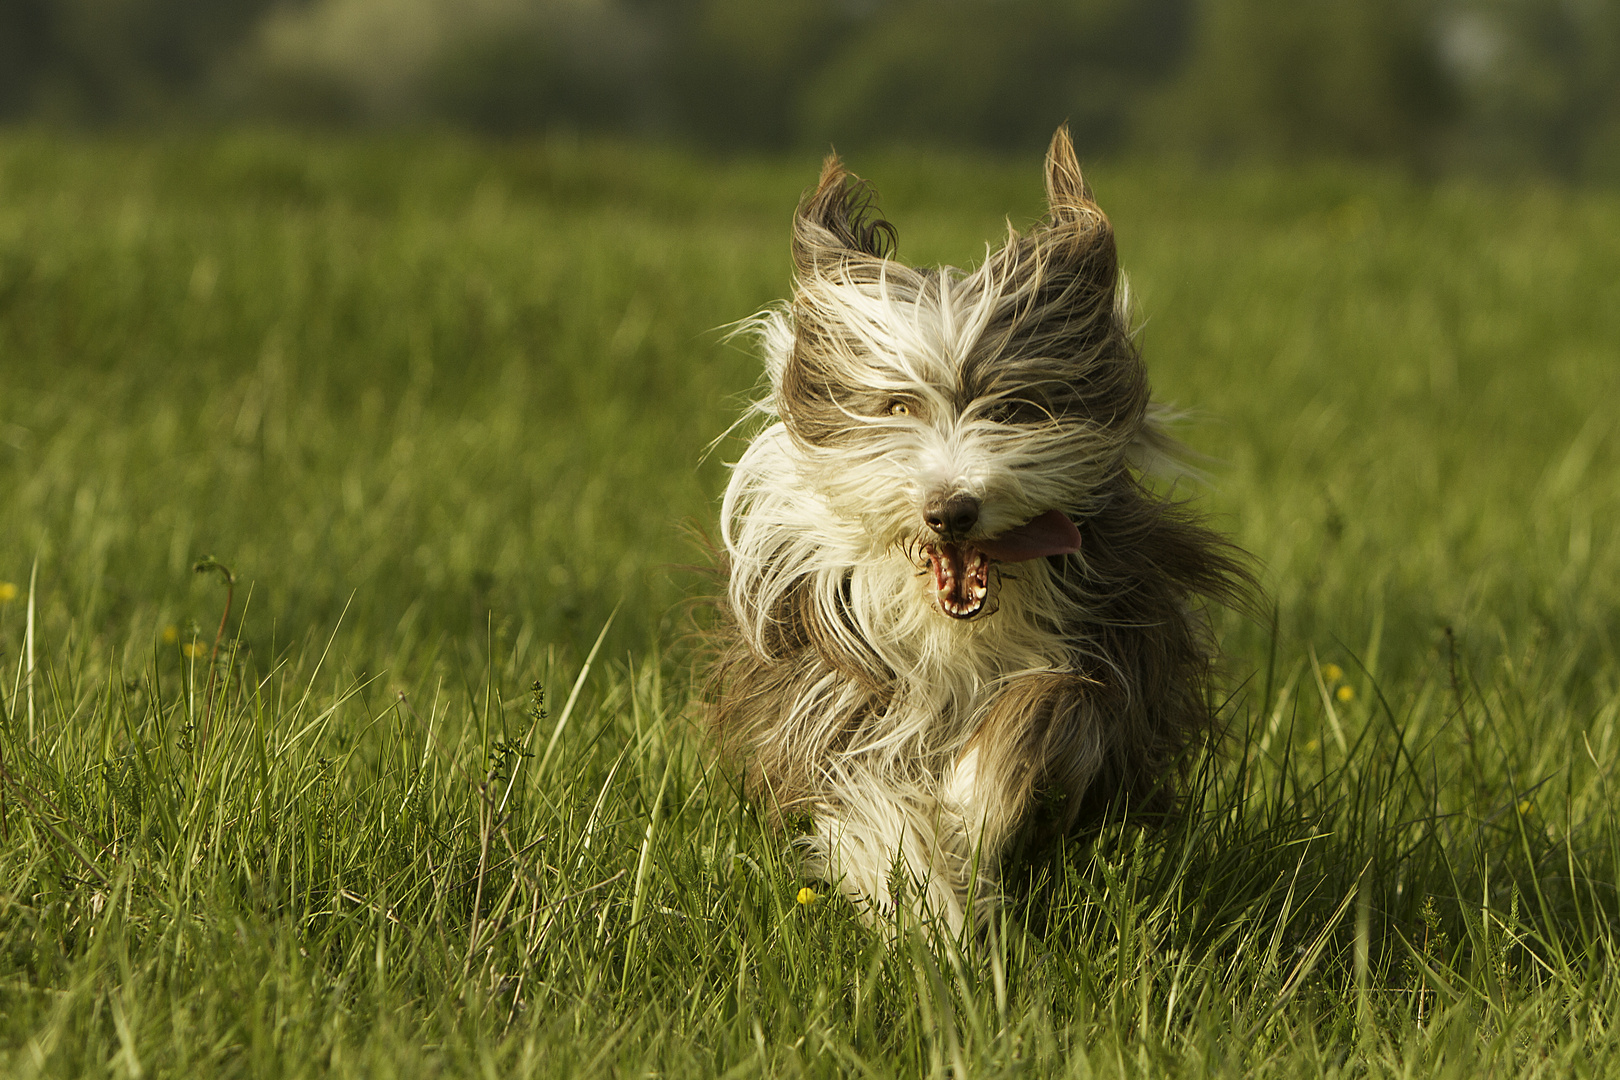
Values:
[(432, 801)]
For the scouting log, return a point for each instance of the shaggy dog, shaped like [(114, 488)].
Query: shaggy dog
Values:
[(956, 614)]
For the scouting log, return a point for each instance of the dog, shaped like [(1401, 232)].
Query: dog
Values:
[(958, 613)]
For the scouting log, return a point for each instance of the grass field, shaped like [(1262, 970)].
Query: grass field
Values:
[(435, 806)]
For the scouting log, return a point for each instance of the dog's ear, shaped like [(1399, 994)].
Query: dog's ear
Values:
[(838, 221), (1076, 235), (1068, 196), (1064, 276)]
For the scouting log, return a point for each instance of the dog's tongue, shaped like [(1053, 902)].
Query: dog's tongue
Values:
[(1050, 534)]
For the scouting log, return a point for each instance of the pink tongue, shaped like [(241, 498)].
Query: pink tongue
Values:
[(1050, 534)]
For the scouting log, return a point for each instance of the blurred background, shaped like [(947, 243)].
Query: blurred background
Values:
[(1500, 87)]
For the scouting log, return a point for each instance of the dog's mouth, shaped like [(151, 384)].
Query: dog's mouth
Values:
[(961, 578), (961, 570)]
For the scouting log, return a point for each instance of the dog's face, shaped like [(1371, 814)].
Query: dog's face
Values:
[(965, 419)]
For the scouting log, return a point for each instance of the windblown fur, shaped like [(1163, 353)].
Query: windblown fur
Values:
[(921, 653)]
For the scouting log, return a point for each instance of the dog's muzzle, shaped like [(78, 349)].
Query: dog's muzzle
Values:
[(961, 568)]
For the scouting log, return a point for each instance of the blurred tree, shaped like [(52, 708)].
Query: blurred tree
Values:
[(110, 60), (549, 65), (1355, 78), (27, 33), (500, 66), (996, 73), (732, 70), (1540, 80), (1490, 85)]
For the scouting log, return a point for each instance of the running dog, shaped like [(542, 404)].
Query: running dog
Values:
[(957, 611)]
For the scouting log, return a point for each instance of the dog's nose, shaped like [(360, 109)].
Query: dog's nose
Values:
[(953, 517)]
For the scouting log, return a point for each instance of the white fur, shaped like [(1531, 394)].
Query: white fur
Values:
[(795, 513)]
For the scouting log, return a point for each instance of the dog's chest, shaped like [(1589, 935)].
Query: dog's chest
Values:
[(954, 678)]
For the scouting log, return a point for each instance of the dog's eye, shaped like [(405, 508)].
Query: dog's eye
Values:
[(1015, 412), (899, 408)]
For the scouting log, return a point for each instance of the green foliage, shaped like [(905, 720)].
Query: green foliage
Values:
[(994, 73), (541, 68), (435, 805), (1483, 86), (735, 70), (1542, 79), (1282, 78), (113, 60)]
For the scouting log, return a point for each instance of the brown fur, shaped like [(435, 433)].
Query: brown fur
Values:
[(1132, 706)]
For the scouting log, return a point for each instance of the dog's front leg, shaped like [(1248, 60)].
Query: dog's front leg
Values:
[(895, 851), (1038, 736)]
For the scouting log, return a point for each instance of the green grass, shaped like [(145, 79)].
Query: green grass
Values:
[(442, 408)]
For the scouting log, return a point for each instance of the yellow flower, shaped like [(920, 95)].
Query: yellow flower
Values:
[(1332, 672), (1345, 693), (171, 634), (8, 592), (1525, 806), (194, 649), (808, 896), (1311, 747)]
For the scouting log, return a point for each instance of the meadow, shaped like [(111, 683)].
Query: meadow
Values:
[(405, 779)]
